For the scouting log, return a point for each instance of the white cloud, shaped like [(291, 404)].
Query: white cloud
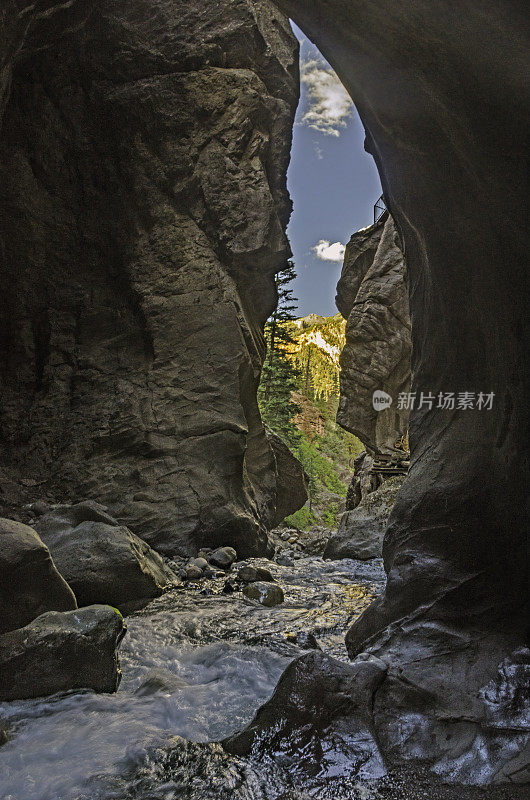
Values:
[(329, 252), (330, 106)]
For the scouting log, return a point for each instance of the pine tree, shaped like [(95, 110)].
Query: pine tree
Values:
[(280, 375)]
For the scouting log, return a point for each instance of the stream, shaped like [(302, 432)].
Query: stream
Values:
[(197, 663)]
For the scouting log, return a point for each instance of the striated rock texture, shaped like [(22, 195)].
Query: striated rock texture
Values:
[(29, 581), (143, 153), (372, 296), (440, 88)]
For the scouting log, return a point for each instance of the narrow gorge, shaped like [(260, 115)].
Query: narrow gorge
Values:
[(163, 632)]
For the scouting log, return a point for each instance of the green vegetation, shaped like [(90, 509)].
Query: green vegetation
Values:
[(298, 398), (279, 376)]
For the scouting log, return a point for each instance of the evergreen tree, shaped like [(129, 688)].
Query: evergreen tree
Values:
[(280, 375)]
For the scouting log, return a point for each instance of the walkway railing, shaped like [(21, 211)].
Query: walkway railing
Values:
[(379, 209)]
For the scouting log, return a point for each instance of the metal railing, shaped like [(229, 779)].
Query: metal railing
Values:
[(379, 209)]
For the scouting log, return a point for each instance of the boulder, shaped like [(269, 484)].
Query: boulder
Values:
[(29, 581), (361, 531), (193, 572), (319, 720), (223, 557), (267, 594), (104, 562), (304, 639), (199, 562), (250, 574), (291, 481), (61, 651)]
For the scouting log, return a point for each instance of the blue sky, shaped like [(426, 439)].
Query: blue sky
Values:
[(333, 182)]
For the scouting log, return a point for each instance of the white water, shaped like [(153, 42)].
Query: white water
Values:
[(197, 666)]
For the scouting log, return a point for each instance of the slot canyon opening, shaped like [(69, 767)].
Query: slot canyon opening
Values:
[(143, 207), (346, 265)]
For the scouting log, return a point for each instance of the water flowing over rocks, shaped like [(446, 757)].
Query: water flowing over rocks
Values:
[(196, 664), (320, 708), (29, 581), (143, 150), (62, 651), (267, 594)]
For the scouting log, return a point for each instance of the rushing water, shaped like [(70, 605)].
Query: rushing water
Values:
[(197, 663)]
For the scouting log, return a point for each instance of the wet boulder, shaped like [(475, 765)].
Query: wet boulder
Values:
[(103, 562), (193, 572), (267, 594), (319, 720), (29, 581), (222, 557), (61, 651), (361, 531), (304, 639), (250, 574), (284, 559)]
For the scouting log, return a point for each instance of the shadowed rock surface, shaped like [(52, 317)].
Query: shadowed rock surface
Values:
[(103, 561), (372, 296), (441, 97), (361, 531), (144, 149), (60, 651), (291, 481), (318, 722), (145, 162), (29, 581)]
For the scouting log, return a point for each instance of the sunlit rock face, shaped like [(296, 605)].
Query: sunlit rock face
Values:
[(440, 90), (143, 156), (372, 296)]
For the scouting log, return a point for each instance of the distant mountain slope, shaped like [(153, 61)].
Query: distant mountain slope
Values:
[(325, 449)]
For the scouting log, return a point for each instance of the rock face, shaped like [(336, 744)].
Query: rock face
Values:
[(60, 651), (103, 561), (143, 151), (372, 296), (319, 706), (446, 114), (361, 531), (29, 581), (291, 482), (145, 162)]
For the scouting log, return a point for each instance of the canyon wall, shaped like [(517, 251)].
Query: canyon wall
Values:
[(143, 205), (143, 157), (441, 91), (372, 296)]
